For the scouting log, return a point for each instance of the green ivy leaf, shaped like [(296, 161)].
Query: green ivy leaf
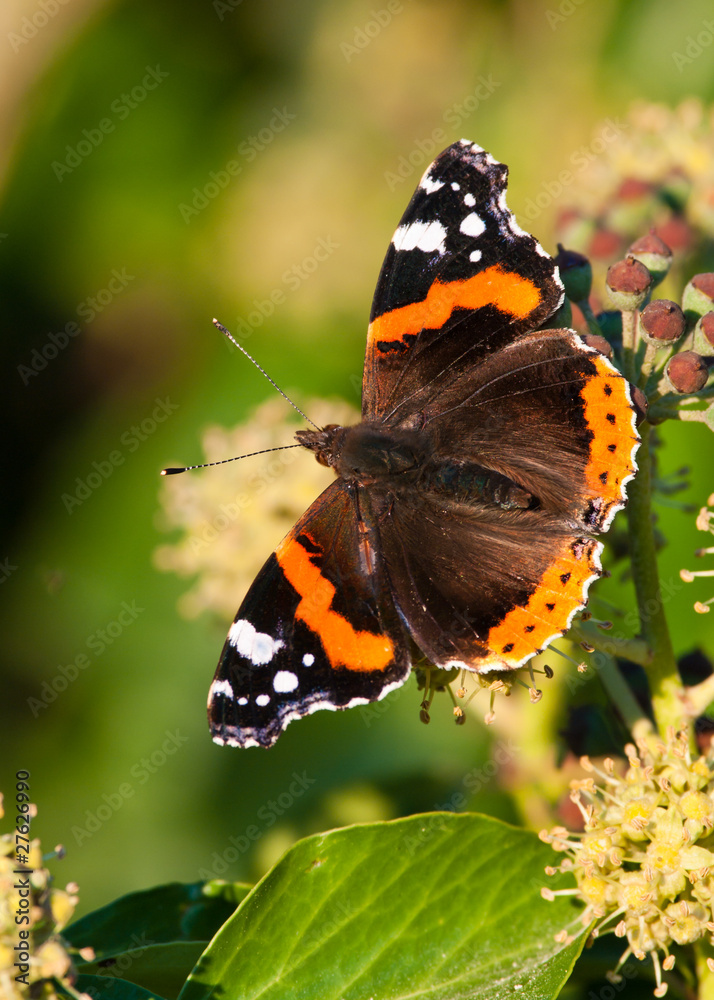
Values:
[(173, 912), (443, 905), (158, 968)]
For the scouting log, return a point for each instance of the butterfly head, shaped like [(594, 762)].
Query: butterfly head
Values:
[(325, 443)]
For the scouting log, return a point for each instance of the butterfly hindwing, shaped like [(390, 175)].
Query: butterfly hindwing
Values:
[(316, 630)]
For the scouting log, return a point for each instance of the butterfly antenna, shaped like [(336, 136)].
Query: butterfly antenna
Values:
[(232, 339), (207, 465)]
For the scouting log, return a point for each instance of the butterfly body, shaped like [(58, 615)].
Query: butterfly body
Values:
[(460, 526)]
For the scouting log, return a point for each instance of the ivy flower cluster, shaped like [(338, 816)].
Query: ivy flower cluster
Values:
[(35, 944), (644, 862)]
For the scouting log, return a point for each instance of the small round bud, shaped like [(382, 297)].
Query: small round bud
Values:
[(662, 322), (599, 343), (632, 189), (575, 272), (698, 296), (628, 282), (704, 335), (654, 253), (687, 372), (604, 244), (676, 233)]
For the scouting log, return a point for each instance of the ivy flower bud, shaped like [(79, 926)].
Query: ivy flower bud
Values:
[(704, 335), (654, 253), (628, 282), (576, 274), (662, 322), (599, 343), (686, 372), (698, 296)]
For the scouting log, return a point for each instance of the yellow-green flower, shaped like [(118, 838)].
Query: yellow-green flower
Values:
[(643, 862), (50, 909)]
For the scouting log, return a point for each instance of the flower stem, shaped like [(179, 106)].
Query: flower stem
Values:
[(664, 680), (623, 699), (629, 344), (634, 650), (589, 317)]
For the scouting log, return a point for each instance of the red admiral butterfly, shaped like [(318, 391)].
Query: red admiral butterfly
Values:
[(459, 527)]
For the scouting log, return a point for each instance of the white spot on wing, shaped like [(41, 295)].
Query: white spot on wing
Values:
[(220, 687), (285, 681), (243, 701), (469, 199), (262, 700), (455, 186), (258, 647), (428, 184), (475, 256), (308, 660), (426, 236), (473, 225)]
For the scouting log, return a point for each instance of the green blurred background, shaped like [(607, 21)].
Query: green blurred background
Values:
[(529, 81)]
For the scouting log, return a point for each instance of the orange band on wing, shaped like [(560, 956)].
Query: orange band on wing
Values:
[(343, 645), (560, 591), (608, 413), (507, 290)]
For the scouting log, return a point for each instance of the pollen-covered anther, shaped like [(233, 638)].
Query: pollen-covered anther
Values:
[(550, 870), (668, 963), (620, 929), (649, 873), (583, 785), (582, 668), (547, 894), (609, 765)]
